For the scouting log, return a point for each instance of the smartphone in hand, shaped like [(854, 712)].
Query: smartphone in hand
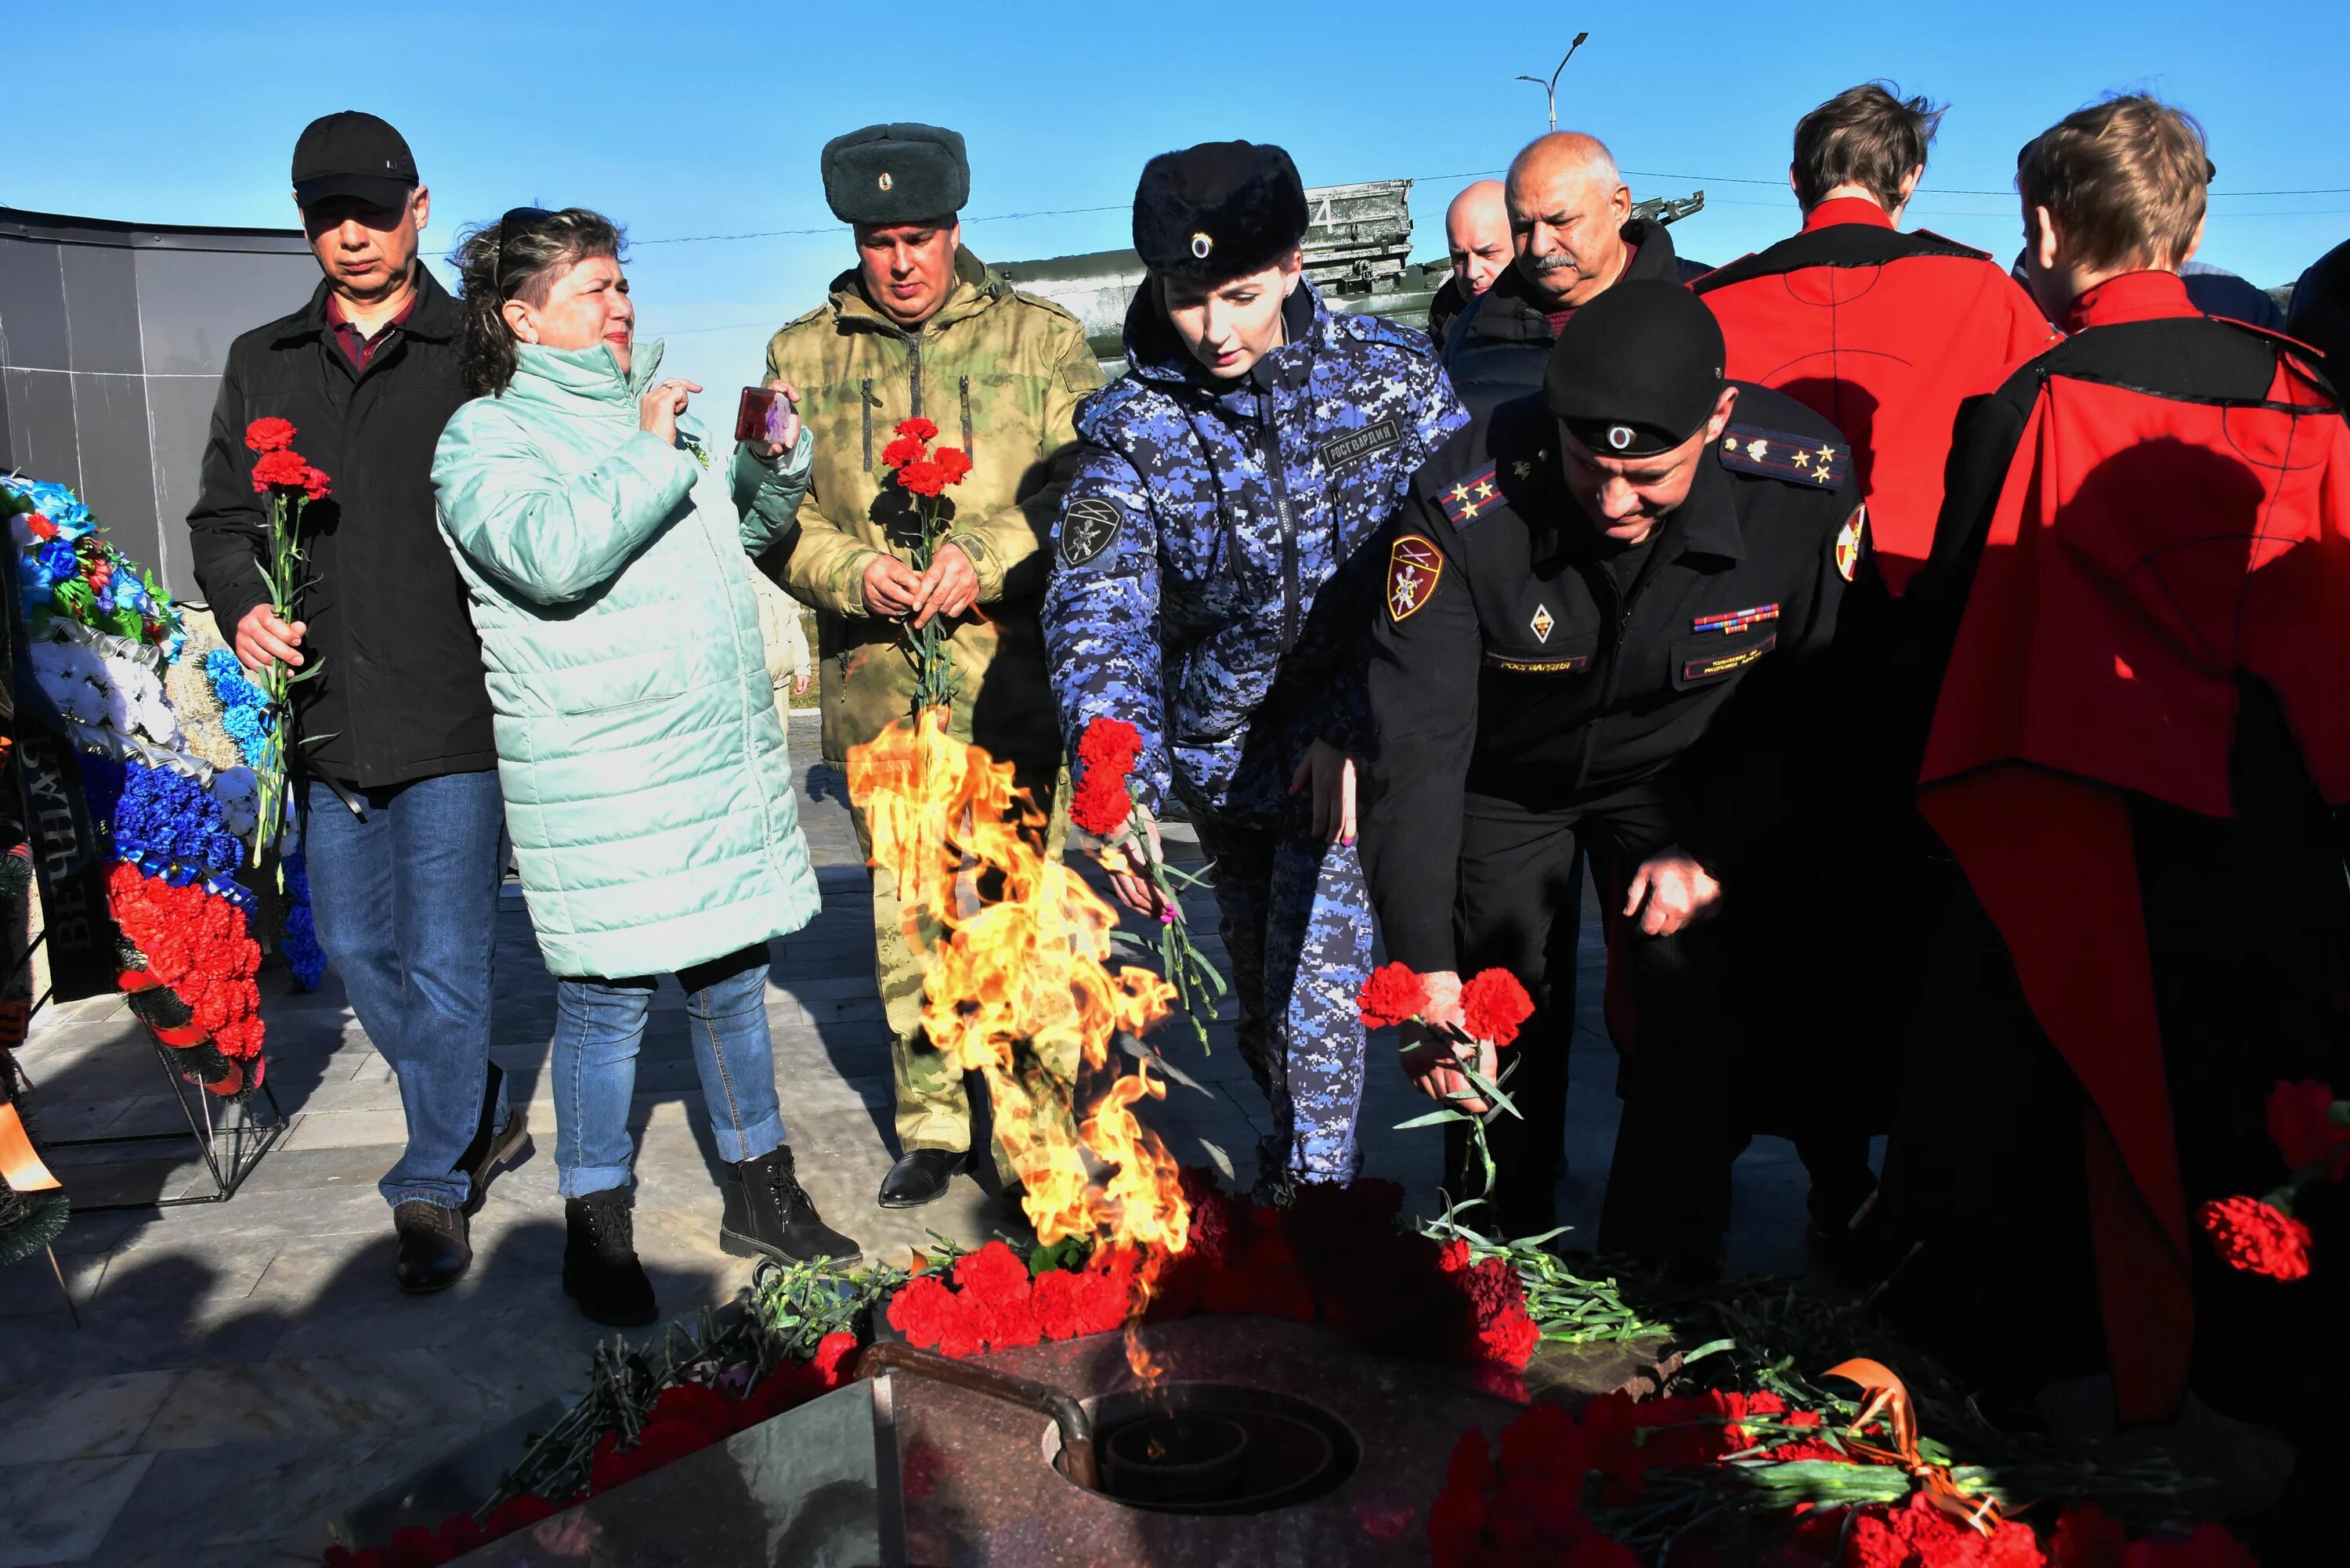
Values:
[(760, 416)]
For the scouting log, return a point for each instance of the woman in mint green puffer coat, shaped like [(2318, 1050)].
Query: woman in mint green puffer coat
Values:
[(647, 784)]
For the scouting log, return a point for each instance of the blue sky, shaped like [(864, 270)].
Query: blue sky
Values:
[(689, 127)]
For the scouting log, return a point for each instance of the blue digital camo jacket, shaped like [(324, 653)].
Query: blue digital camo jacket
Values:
[(1213, 574)]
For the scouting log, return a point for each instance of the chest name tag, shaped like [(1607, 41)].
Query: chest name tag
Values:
[(1705, 669), (1356, 445), (1732, 622), (1572, 664)]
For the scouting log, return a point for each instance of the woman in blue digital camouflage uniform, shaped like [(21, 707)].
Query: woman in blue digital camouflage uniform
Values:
[(1215, 574)]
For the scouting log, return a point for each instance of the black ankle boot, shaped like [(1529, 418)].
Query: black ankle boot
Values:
[(769, 1214), (600, 1271)]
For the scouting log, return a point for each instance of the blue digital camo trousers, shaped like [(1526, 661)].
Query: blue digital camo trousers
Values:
[(1298, 926)]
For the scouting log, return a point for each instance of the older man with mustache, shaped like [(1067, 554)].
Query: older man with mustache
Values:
[(1571, 228)]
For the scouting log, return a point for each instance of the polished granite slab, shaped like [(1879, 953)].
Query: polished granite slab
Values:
[(902, 1471)]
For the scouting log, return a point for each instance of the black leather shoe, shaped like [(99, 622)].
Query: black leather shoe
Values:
[(491, 1152), (600, 1271), (922, 1176), (770, 1215), (434, 1248)]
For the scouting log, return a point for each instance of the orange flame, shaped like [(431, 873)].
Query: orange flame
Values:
[(1018, 987)]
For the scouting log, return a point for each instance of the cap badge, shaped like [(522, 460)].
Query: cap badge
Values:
[(1619, 436), (1201, 245), (1542, 623), (885, 181)]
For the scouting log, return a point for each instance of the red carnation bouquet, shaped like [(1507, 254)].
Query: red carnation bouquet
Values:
[(289, 486), (925, 475), (194, 945), (1109, 805), (1484, 1017), (2310, 1129)]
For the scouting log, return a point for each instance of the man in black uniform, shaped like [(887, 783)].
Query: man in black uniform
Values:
[(1601, 603)]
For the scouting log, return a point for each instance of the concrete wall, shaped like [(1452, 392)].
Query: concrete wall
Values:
[(112, 337)]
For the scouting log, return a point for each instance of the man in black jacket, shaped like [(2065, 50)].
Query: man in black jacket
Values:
[(1605, 611), (1572, 226), (395, 771)]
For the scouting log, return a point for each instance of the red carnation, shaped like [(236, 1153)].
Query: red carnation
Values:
[(280, 470), (269, 434), (2258, 1238), (923, 478), (41, 527), (1105, 754), (2301, 1121), (2088, 1537), (953, 463), (1917, 1534), (1493, 1005), (1393, 994), (901, 452), (1101, 805), (931, 1316), (314, 484), (919, 428)]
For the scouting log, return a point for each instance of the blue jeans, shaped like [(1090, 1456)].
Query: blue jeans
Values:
[(406, 901), (599, 1026)]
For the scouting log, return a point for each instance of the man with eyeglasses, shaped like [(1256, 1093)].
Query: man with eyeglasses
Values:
[(395, 770)]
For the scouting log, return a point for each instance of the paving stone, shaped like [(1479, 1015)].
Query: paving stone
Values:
[(58, 1513), (85, 1419)]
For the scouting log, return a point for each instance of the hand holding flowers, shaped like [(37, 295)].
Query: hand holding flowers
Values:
[(1109, 805), (1436, 1015), (267, 635), (944, 581)]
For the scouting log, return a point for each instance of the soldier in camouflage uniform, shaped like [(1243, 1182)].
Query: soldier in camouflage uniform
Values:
[(919, 328), (1214, 575)]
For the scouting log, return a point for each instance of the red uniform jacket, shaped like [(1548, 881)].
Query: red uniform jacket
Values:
[(2139, 520), (1883, 334)]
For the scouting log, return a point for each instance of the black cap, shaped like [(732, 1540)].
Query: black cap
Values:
[(1637, 370), (895, 174), (352, 154), (1218, 210)]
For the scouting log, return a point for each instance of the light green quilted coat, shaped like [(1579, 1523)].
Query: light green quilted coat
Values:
[(647, 788)]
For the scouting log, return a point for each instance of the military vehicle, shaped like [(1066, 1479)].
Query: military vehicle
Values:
[(1358, 251)]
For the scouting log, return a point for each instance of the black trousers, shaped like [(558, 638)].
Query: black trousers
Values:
[(1689, 1084)]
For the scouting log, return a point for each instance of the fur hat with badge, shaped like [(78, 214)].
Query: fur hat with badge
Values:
[(1218, 210), (901, 173)]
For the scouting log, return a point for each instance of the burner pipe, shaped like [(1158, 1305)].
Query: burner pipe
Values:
[(1076, 1428)]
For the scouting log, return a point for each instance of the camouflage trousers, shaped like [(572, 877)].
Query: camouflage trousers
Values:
[(933, 1107), (1297, 927)]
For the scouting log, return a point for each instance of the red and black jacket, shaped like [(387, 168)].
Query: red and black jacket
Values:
[(1883, 334), (2141, 524)]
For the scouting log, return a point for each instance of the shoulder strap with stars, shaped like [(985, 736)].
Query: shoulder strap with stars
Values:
[(1799, 459), (1465, 500)]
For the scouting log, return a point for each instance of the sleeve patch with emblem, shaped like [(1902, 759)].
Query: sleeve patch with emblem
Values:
[(1800, 460), (1852, 542), (1464, 502), (1414, 565), (1087, 526)]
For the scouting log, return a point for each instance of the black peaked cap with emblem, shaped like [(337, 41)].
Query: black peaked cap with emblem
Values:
[(352, 154), (903, 173), (1213, 213), (1637, 370)]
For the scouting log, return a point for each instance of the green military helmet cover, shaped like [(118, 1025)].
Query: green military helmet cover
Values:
[(901, 173)]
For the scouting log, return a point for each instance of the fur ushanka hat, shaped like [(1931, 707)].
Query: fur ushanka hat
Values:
[(1214, 212)]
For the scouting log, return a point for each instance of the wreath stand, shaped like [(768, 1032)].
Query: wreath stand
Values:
[(231, 1143)]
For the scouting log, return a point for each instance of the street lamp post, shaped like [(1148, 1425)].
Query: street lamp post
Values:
[(1550, 87)]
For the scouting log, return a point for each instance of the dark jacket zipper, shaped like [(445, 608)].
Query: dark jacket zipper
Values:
[(1273, 468), (966, 419), (865, 406)]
